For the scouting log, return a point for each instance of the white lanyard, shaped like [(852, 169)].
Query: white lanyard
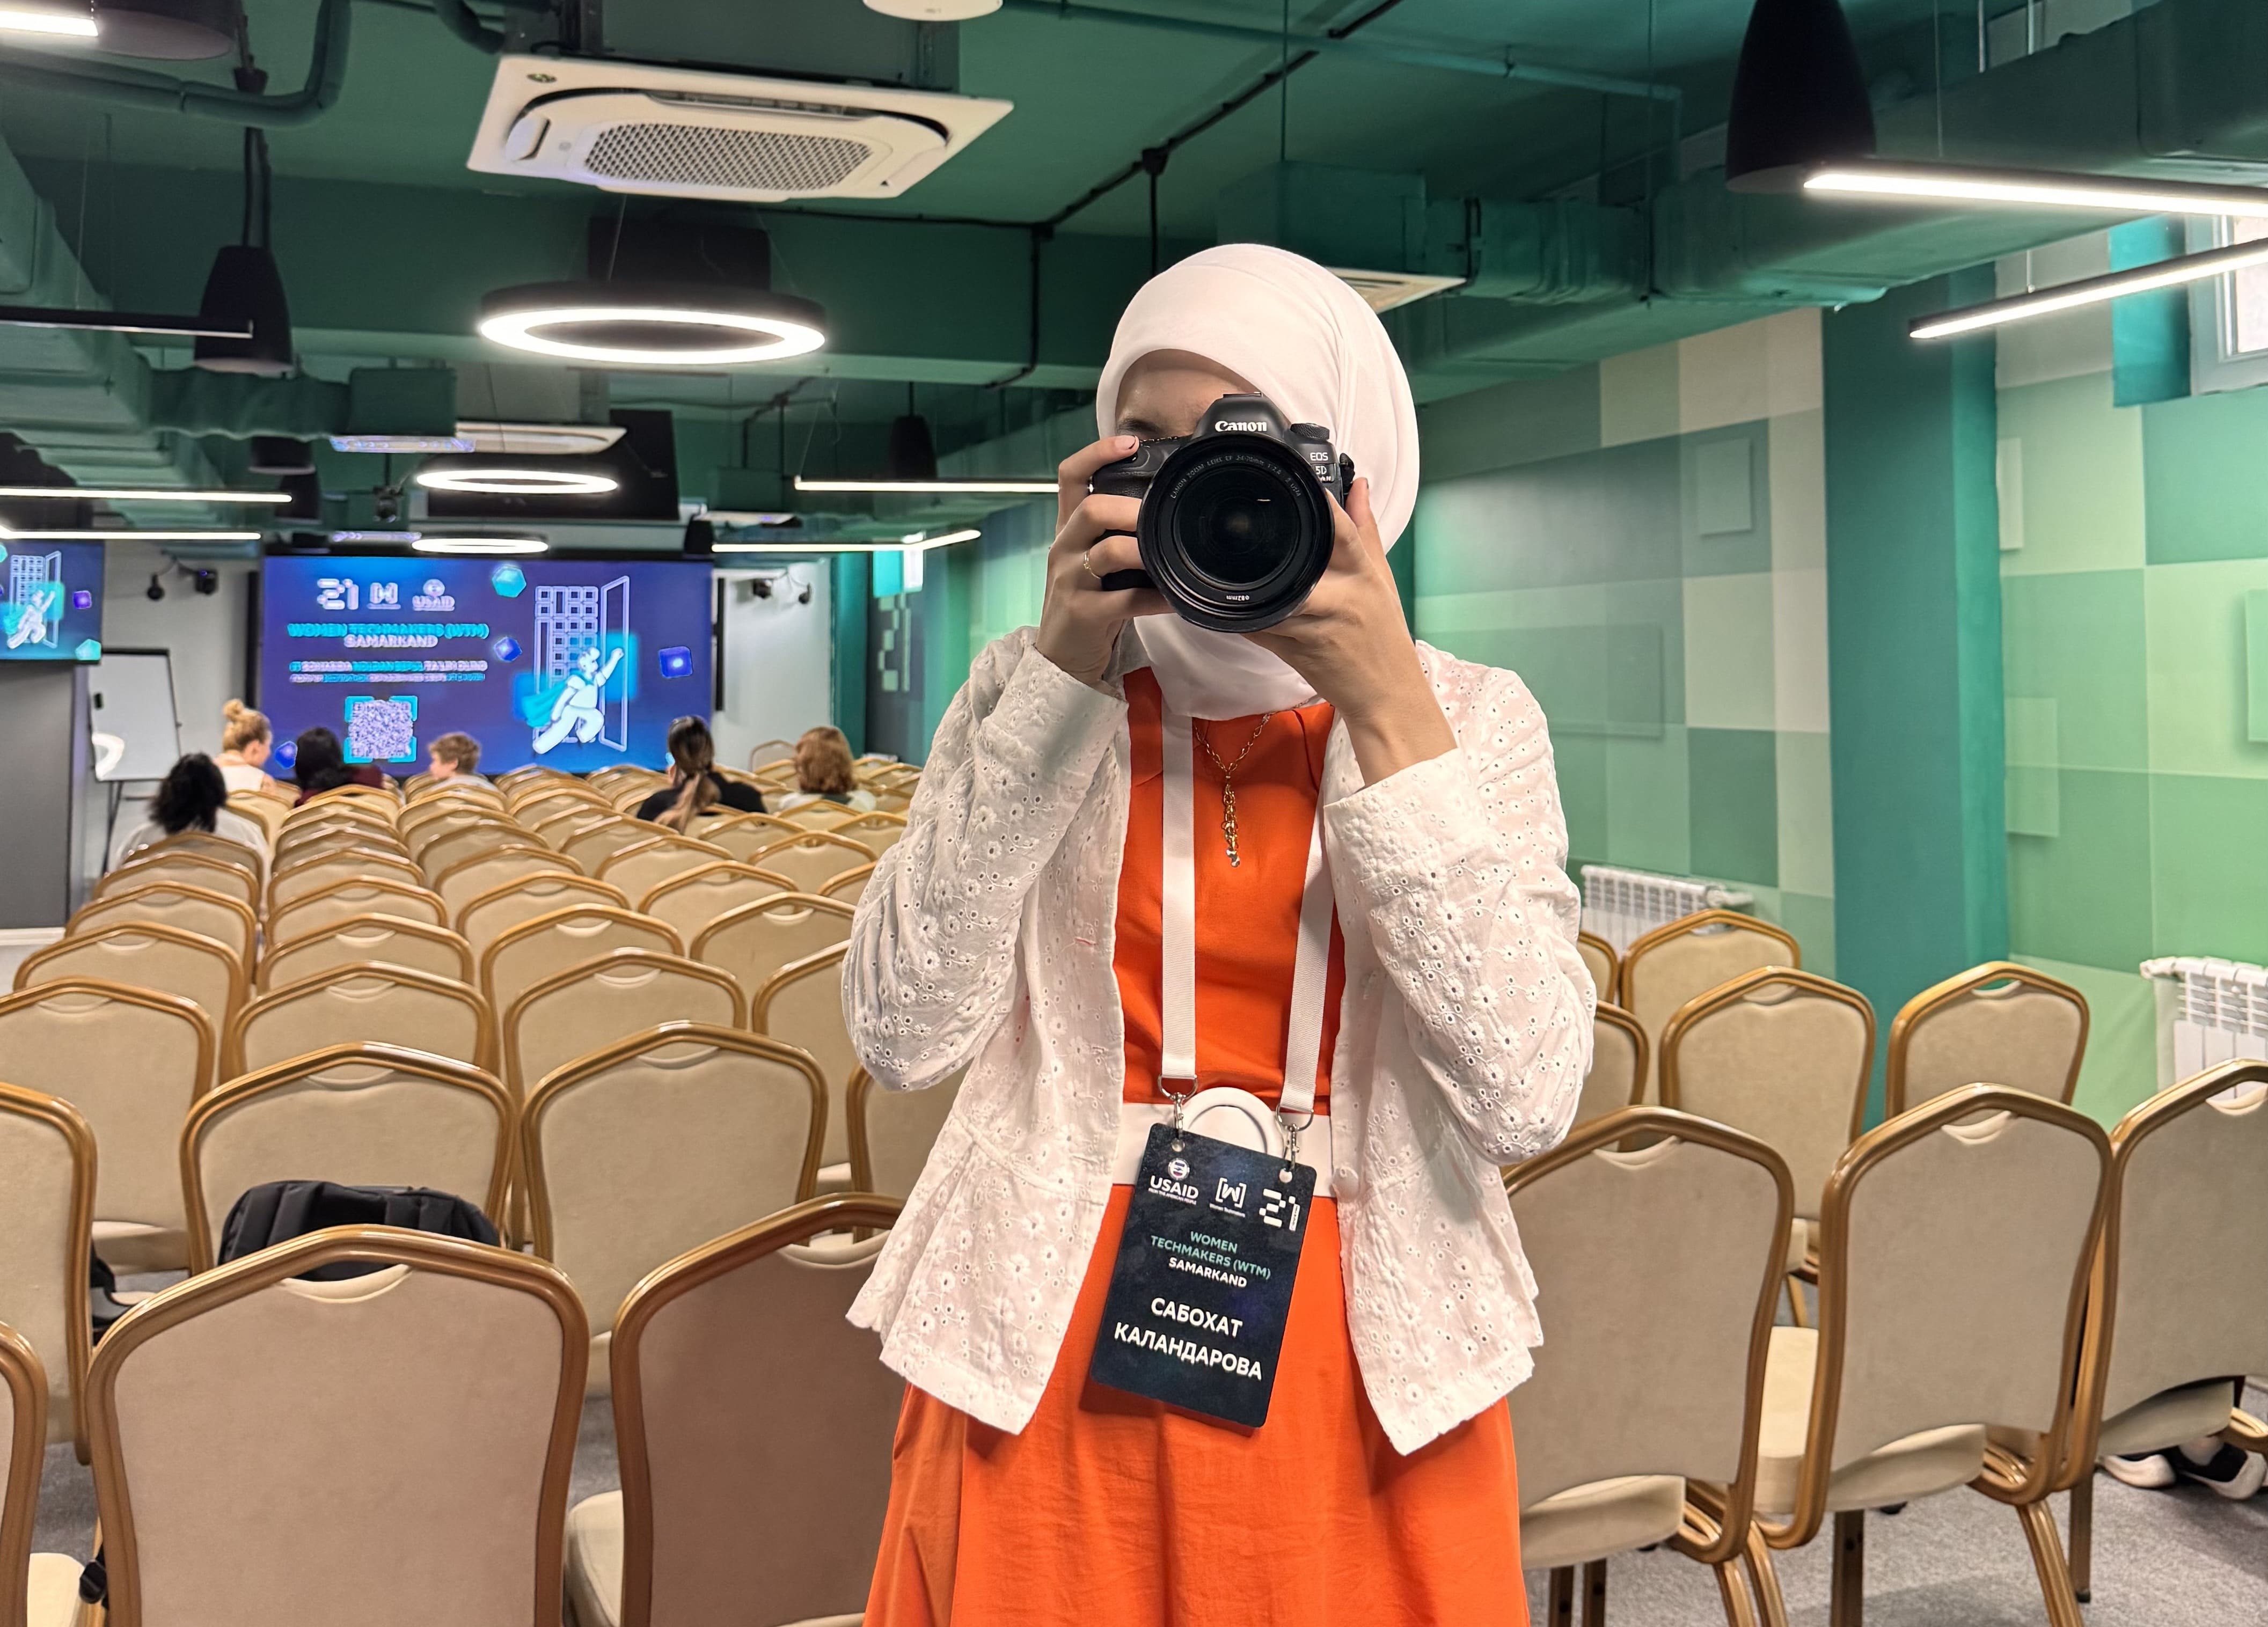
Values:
[(1303, 1039)]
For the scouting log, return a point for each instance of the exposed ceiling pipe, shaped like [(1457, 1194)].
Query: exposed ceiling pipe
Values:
[(457, 19), (134, 88)]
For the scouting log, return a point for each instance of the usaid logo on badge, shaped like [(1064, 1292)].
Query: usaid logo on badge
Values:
[(1178, 1169), (1175, 1182)]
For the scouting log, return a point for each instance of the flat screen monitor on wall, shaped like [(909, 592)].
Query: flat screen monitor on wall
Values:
[(50, 601), (572, 663)]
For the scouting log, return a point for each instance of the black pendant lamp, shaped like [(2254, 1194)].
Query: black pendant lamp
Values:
[(281, 454), (245, 287), (912, 453), (1798, 96)]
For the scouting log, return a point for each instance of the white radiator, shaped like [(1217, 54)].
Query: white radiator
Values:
[(1623, 906), (2209, 1011)]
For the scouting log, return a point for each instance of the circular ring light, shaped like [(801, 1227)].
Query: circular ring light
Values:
[(431, 543), (514, 479), (653, 324)]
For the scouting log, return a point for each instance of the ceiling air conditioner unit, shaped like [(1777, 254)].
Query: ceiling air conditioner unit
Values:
[(675, 132)]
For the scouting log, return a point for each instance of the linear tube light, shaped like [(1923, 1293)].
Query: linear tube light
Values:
[(431, 544), (71, 22), (1956, 183), (407, 445), (2091, 290), (978, 486), (917, 541), (128, 536), (139, 494)]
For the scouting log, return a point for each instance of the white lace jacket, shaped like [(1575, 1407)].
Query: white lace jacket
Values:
[(984, 939)]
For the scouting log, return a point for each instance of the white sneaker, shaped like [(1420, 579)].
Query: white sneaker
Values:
[(2147, 1471), (2231, 1472)]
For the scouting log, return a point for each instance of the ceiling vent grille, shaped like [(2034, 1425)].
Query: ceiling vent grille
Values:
[(679, 155)]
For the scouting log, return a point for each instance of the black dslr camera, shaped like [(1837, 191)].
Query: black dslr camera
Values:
[(1235, 530)]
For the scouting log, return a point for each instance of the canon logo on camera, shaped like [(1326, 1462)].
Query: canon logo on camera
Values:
[(1253, 426)]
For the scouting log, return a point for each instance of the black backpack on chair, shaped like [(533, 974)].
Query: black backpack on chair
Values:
[(279, 1211)]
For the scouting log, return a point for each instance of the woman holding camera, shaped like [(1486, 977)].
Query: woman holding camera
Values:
[(1170, 894)]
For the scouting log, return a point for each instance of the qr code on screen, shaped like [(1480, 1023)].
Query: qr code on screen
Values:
[(382, 730)]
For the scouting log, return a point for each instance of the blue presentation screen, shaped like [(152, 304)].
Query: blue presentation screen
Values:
[(573, 663), (52, 610)]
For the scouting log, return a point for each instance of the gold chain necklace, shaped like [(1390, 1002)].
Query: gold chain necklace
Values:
[(1228, 781)]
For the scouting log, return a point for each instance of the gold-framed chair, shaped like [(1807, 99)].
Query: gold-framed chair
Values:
[(813, 858), (850, 887), (340, 840), (770, 753), (36, 1590), (1639, 1424), (645, 865), (1672, 964), (175, 904), (288, 887), (818, 816), (1618, 1065), (658, 1144), (487, 917), (1604, 965), (744, 835), (422, 792), (152, 865), (46, 1221), (315, 824), (353, 899), (360, 1115), (378, 800), (424, 824), (692, 899), (361, 940), (1956, 1243), (627, 799), (2177, 1311), (590, 845), (131, 1062), (491, 868), (521, 956), (801, 1005), (206, 844), (254, 1433), (594, 1004), (1996, 1024), (202, 971), (262, 809), (874, 829), (754, 940), (467, 839), (365, 1004), (891, 1131), (706, 1456), (556, 829)]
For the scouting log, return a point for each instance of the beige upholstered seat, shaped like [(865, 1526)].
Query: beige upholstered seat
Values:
[(597, 1003), (465, 819), (531, 806), (362, 1004), (522, 956), (361, 939), (1955, 1246), (850, 887), (1672, 964), (710, 1128), (745, 1502), (288, 886), (392, 1448), (131, 1062), (1618, 1058), (1605, 967), (1997, 1024), (487, 917), (877, 832), (302, 843), (346, 901), (170, 903), (45, 1592), (801, 1005), (47, 1208), (893, 1130), (161, 958), (813, 858), (478, 874), (2183, 1305), (744, 835), (821, 815), (645, 865), (556, 830), (206, 844), (362, 1114), (755, 940), (263, 810), (1661, 1265), (690, 901), (590, 845), (350, 809), (155, 865)]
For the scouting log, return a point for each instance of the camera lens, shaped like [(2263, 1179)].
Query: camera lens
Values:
[(1233, 522), (1236, 533)]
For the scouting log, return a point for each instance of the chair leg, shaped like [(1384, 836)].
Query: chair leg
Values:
[(1732, 1592), (1847, 1606), (2082, 1538), (1796, 1308), (1560, 1610), (1763, 1581), (1595, 1593), (2048, 1561)]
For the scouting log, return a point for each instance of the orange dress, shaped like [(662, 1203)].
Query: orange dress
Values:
[(1109, 1510)]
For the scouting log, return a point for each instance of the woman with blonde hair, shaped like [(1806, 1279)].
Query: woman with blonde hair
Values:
[(823, 772), (246, 740)]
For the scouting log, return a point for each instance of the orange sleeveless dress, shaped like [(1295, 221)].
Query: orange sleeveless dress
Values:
[(1108, 1510)]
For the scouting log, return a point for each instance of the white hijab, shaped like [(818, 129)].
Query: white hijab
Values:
[(1306, 342)]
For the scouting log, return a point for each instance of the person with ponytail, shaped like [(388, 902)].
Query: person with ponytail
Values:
[(695, 787), (245, 740)]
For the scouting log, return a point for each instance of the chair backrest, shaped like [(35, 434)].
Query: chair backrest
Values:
[(1618, 1071), (424, 824), (589, 845), (363, 939), (892, 801), (1996, 1024), (289, 885), (131, 1062), (522, 956), (386, 803), (707, 1456), (801, 1005), (1672, 964), (206, 844), (1604, 965), (820, 815), (154, 865), (1783, 1054), (876, 832), (1954, 1252), (744, 835), (587, 1007), (769, 753), (396, 1447), (491, 868), (487, 917), (470, 839), (1662, 1265), (534, 811), (163, 959), (692, 899), (47, 1219), (362, 1004), (262, 809), (172, 903), (755, 940), (351, 835), (328, 808), (645, 865), (813, 858), (2180, 1291), (359, 1115), (661, 1142), (893, 1130), (850, 887), (554, 829), (349, 900), (23, 1451)]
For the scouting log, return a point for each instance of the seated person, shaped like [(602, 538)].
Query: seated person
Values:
[(321, 765), (695, 787), (454, 757), (823, 772), (245, 740), (193, 796)]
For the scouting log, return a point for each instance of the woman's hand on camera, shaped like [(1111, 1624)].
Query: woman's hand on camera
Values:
[(1351, 644), (1080, 621)]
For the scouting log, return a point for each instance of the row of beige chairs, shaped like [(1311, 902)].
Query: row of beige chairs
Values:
[(460, 1371), (2004, 1295)]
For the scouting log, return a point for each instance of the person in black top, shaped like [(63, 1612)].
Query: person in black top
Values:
[(695, 787)]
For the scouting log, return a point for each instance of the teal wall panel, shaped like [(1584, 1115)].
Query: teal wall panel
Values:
[(2206, 495)]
